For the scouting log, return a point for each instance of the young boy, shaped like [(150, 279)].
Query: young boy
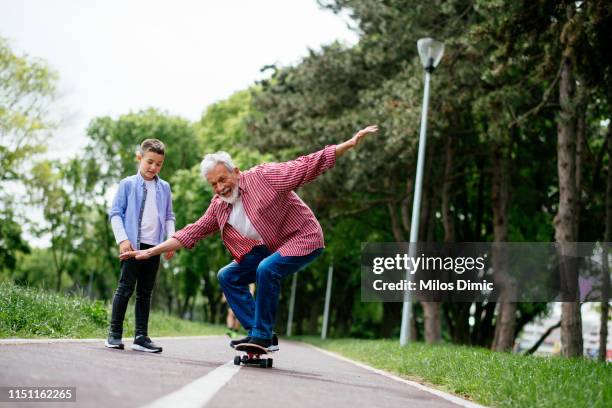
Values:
[(141, 216)]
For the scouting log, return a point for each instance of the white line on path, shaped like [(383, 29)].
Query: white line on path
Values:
[(198, 392), (441, 394)]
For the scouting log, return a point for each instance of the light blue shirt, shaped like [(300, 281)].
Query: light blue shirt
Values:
[(129, 205)]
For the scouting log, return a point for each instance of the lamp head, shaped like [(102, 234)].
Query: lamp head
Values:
[(431, 52)]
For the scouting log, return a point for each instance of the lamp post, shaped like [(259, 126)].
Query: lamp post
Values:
[(430, 52)]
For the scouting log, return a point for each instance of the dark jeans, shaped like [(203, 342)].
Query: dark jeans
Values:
[(140, 275)]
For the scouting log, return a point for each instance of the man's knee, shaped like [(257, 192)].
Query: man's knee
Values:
[(267, 270), (224, 276)]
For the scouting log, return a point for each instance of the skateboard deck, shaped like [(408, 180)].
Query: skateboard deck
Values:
[(252, 355)]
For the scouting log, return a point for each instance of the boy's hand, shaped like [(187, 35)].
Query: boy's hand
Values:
[(125, 246), (169, 255)]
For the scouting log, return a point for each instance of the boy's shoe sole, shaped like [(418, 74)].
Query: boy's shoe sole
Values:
[(273, 348), (114, 346), (146, 350)]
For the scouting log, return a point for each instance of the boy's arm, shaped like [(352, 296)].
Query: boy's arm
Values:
[(120, 235), (293, 174), (116, 214), (170, 221)]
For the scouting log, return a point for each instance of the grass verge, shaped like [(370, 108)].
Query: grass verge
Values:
[(35, 313), (486, 377)]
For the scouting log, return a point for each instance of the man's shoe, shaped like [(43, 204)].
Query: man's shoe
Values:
[(234, 343), (274, 345), (114, 341), (265, 343), (144, 343)]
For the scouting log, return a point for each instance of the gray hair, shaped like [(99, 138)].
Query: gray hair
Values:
[(212, 159)]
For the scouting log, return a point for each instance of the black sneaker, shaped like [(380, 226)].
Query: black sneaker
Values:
[(114, 341), (144, 343), (234, 343), (265, 343), (274, 345)]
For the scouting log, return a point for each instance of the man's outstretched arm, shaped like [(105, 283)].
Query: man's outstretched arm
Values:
[(295, 173)]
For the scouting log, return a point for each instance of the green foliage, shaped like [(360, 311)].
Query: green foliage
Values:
[(114, 142), (489, 378), (28, 312), (11, 242), (27, 87)]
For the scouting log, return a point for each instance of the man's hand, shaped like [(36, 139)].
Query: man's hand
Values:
[(355, 140), (144, 254), (125, 246), (169, 255)]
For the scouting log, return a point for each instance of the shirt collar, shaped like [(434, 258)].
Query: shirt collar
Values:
[(141, 179)]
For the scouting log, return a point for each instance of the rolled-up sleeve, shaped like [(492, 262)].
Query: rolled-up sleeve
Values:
[(192, 233), (295, 173)]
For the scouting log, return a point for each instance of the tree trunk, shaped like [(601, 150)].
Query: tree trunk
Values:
[(506, 319), (479, 205), (396, 228), (605, 307), (431, 310), (447, 216), (433, 329), (565, 219)]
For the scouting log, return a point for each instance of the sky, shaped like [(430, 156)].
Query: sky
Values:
[(115, 57)]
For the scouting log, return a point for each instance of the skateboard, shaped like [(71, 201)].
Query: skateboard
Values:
[(252, 355)]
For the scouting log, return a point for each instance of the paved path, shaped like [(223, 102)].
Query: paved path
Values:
[(191, 367)]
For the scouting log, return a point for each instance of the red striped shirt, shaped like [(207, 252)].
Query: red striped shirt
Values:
[(284, 222)]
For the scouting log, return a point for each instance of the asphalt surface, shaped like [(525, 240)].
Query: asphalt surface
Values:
[(301, 377)]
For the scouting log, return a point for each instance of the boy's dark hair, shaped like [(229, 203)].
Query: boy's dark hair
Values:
[(153, 145)]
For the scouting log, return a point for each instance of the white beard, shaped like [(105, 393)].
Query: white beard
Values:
[(232, 198)]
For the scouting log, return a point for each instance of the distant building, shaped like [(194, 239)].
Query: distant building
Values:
[(532, 332)]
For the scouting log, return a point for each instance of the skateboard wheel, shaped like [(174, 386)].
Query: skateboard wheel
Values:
[(263, 363), (269, 365), (237, 360)]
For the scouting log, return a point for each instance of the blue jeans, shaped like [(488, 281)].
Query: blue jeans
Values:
[(266, 270)]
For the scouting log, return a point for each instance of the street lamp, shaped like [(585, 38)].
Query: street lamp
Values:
[(430, 52)]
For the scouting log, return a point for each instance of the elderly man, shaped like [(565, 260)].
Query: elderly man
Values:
[(269, 231)]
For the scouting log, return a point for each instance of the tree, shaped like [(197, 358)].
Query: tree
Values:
[(27, 87), (64, 191)]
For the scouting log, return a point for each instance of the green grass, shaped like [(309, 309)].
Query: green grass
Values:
[(35, 313), (493, 379)]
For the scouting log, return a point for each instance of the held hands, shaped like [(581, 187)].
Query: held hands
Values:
[(144, 254), (125, 246), (140, 255)]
